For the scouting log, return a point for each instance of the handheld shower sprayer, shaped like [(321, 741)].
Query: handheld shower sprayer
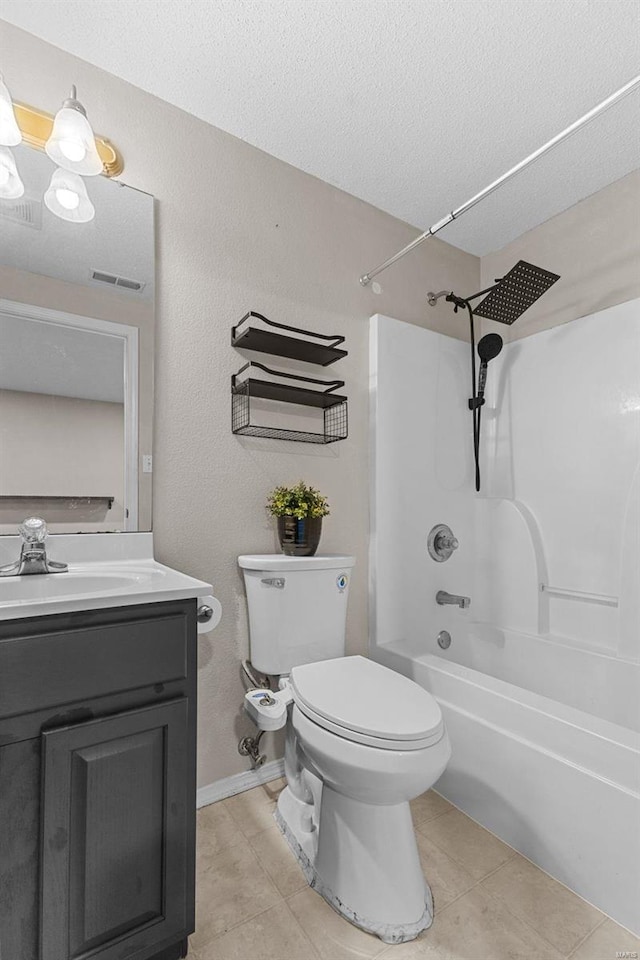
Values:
[(504, 302), (488, 349)]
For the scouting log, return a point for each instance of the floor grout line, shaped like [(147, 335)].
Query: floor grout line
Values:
[(526, 922), (240, 923), (417, 823), (584, 939), (315, 951), (514, 853)]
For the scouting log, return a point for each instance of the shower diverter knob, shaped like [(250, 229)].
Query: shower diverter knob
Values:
[(441, 542)]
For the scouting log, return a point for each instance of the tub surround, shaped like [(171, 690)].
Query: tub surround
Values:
[(538, 689)]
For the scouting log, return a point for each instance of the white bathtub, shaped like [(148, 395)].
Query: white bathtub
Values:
[(558, 784)]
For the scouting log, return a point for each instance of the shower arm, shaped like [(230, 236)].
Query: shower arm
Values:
[(366, 278), (432, 298)]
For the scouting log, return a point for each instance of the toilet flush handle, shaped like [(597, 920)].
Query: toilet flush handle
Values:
[(274, 582)]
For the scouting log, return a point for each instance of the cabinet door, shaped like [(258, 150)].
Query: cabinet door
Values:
[(116, 824)]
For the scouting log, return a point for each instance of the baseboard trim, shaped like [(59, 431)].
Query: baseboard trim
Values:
[(238, 783)]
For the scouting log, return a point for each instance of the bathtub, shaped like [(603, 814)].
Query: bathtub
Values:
[(557, 783)]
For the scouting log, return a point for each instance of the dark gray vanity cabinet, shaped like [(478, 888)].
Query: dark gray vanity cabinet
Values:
[(97, 784)]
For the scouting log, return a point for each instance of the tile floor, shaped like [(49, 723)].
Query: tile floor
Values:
[(491, 903)]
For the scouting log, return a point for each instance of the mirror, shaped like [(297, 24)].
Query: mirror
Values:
[(76, 357)]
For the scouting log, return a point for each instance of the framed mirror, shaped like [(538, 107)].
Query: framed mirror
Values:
[(76, 357)]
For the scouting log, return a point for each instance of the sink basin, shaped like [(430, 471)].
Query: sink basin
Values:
[(40, 587), (88, 586)]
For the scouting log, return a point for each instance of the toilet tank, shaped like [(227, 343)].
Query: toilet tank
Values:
[(297, 609)]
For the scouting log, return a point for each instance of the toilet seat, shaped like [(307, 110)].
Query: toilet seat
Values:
[(363, 701)]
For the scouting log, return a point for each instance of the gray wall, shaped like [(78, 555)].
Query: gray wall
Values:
[(238, 229), (594, 246)]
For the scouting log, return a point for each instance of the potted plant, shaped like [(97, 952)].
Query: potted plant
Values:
[(299, 511)]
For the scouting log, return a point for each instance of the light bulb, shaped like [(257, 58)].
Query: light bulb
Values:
[(73, 151), (10, 134), (67, 199), (11, 186), (72, 144)]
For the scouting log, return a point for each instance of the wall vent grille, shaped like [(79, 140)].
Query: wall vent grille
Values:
[(24, 211), (125, 283)]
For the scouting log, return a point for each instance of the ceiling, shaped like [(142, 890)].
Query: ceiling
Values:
[(118, 241), (411, 105), (50, 358)]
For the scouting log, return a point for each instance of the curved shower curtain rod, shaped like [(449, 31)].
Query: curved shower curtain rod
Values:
[(366, 278)]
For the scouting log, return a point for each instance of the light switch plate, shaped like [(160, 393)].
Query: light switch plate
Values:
[(147, 463)]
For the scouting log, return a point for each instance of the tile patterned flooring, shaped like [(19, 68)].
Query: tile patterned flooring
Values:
[(491, 903)]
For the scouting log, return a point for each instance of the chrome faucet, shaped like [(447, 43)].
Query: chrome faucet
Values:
[(33, 555), (442, 597)]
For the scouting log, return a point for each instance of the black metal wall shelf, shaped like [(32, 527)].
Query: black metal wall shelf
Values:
[(322, 349), (333, 405)]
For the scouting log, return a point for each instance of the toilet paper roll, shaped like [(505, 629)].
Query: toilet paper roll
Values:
[(207, 621)]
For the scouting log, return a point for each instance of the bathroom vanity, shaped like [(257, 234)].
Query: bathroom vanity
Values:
[(97, 763), (97, 640)]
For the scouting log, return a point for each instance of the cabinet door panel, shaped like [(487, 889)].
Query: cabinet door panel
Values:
[(116, 820)]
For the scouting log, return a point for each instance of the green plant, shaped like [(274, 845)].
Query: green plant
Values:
[(300, 501)]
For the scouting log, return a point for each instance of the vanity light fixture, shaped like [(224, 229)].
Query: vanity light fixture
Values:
[(72, 144), (67, 197), (11, 186), (10, 133)]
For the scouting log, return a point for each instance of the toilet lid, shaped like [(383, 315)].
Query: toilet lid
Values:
[(354, 695)]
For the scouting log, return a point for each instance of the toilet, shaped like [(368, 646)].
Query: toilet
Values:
[(361, 742)]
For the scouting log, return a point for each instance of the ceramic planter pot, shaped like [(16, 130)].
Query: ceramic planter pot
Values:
[(299, 538)]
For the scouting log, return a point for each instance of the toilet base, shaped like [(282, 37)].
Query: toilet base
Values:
[(302, 835)]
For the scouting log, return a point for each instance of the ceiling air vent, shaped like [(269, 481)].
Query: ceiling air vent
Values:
[(114, 281), (24, 211)]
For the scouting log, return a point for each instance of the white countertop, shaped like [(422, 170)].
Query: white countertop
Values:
[(96, 584)]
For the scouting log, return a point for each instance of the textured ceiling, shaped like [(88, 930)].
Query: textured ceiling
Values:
[(118, 241), (412, 105), (42, 357)]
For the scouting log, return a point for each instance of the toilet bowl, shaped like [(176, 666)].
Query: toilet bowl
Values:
[(361, 742), (345, 811)]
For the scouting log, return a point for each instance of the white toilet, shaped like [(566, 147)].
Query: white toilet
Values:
[(361, 742)]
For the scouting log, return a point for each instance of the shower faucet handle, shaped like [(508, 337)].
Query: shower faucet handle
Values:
[(441, 542)]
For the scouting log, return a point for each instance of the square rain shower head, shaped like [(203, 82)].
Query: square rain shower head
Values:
[(516, 292)]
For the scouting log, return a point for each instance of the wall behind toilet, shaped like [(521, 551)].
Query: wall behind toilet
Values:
[(238, 229)]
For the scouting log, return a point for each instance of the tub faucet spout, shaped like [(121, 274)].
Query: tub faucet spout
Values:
[(443, 598)]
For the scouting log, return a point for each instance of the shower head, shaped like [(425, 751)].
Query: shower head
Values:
[(515, 293), (489, 347)]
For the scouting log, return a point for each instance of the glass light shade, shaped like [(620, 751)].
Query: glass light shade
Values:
[(10, 135), (11, 186), (72, 144), (67, 197)]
